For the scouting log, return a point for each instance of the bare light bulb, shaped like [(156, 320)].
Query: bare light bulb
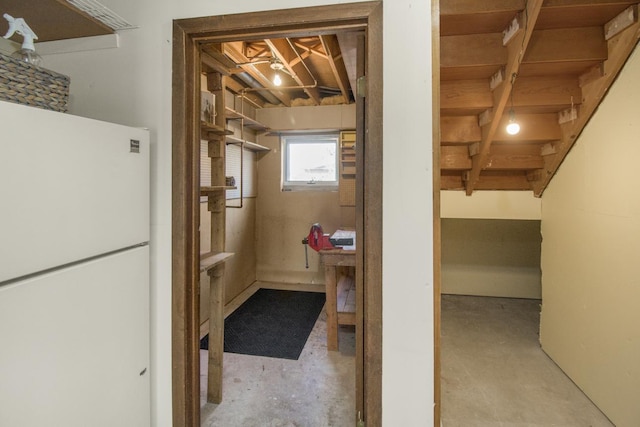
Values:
[(513, 128), (277, 80)]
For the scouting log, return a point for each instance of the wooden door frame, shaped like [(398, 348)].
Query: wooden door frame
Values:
[(187, 36)]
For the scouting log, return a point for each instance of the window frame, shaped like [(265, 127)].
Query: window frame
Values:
[(302, 138)]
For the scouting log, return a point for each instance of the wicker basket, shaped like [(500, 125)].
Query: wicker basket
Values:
[(26, 84)]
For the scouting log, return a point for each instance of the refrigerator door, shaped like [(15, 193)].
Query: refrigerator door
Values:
[(71, 188), (75, 343)]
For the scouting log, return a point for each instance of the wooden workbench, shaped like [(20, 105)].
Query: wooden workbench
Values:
[(332, 258)]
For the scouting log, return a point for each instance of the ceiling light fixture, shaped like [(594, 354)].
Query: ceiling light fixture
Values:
[(277, 80), (513, 127), (277, 66)]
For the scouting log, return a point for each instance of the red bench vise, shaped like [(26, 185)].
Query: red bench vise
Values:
[(317, 240)]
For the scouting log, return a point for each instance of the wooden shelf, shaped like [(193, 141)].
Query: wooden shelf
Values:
[(247, 121), (204, 191), (207, 128), (247, 144), (210, 260), (347, 189), (348, 170)]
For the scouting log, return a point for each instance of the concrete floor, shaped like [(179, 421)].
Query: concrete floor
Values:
[(494, 372), (317, 390)]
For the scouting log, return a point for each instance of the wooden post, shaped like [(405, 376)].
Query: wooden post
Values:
[(331, 307), (216, 333)]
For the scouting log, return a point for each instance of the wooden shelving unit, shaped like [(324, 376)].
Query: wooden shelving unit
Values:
[(246, 120), (211, 260), (210, 128), (347, 188), (246, 144), (208, 190), (213, 263)]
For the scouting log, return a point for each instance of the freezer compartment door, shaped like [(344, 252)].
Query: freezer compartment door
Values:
[(70, 188), (75, 345)]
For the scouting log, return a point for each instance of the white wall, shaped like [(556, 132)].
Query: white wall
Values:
[(132, 85), (590, 324), (407, 245)]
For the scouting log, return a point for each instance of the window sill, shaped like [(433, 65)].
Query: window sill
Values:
[(309, 187)]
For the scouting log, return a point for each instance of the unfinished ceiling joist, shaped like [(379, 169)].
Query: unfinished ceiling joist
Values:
[(235, 52), (286, 53), (560, 58), (619, 48), (515, 49)]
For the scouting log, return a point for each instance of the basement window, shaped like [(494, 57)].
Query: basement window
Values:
[(310, 162)]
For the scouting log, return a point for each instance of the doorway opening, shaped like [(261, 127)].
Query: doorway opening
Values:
[(189, 35)]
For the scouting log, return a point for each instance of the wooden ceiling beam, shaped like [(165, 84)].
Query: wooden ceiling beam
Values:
[(510, 181), (619, 49), (308, 50), (472, 50), (584, 3), (548, 90), (556, 45), (533, 127), (303, 55), (234, 52), (459, 129), (238, 88), (454, 157), (211, 62), (516, 48), (465, 94), (462, 130), (451, 182), (334, 56), (566, 45), (285, 52), (513, 161), (527, 91), (466, 7), (513, 182)]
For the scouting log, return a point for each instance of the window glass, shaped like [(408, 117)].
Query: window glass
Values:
[(310, 162)]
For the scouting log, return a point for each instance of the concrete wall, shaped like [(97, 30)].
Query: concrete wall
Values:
[(132, 85), (491, 244), (284, 218), (590, 322)]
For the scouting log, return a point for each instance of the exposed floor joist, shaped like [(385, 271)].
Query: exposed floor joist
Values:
[(552, 68)]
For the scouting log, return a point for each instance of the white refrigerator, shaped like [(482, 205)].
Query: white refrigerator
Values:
[(74, 271)]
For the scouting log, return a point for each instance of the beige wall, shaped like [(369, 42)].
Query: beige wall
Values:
[(284, 218), (590, 322), (491, 244), (240, 271), (490, 205), (491, 257)]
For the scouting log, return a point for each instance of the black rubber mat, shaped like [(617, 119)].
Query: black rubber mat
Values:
[(272, 323)]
